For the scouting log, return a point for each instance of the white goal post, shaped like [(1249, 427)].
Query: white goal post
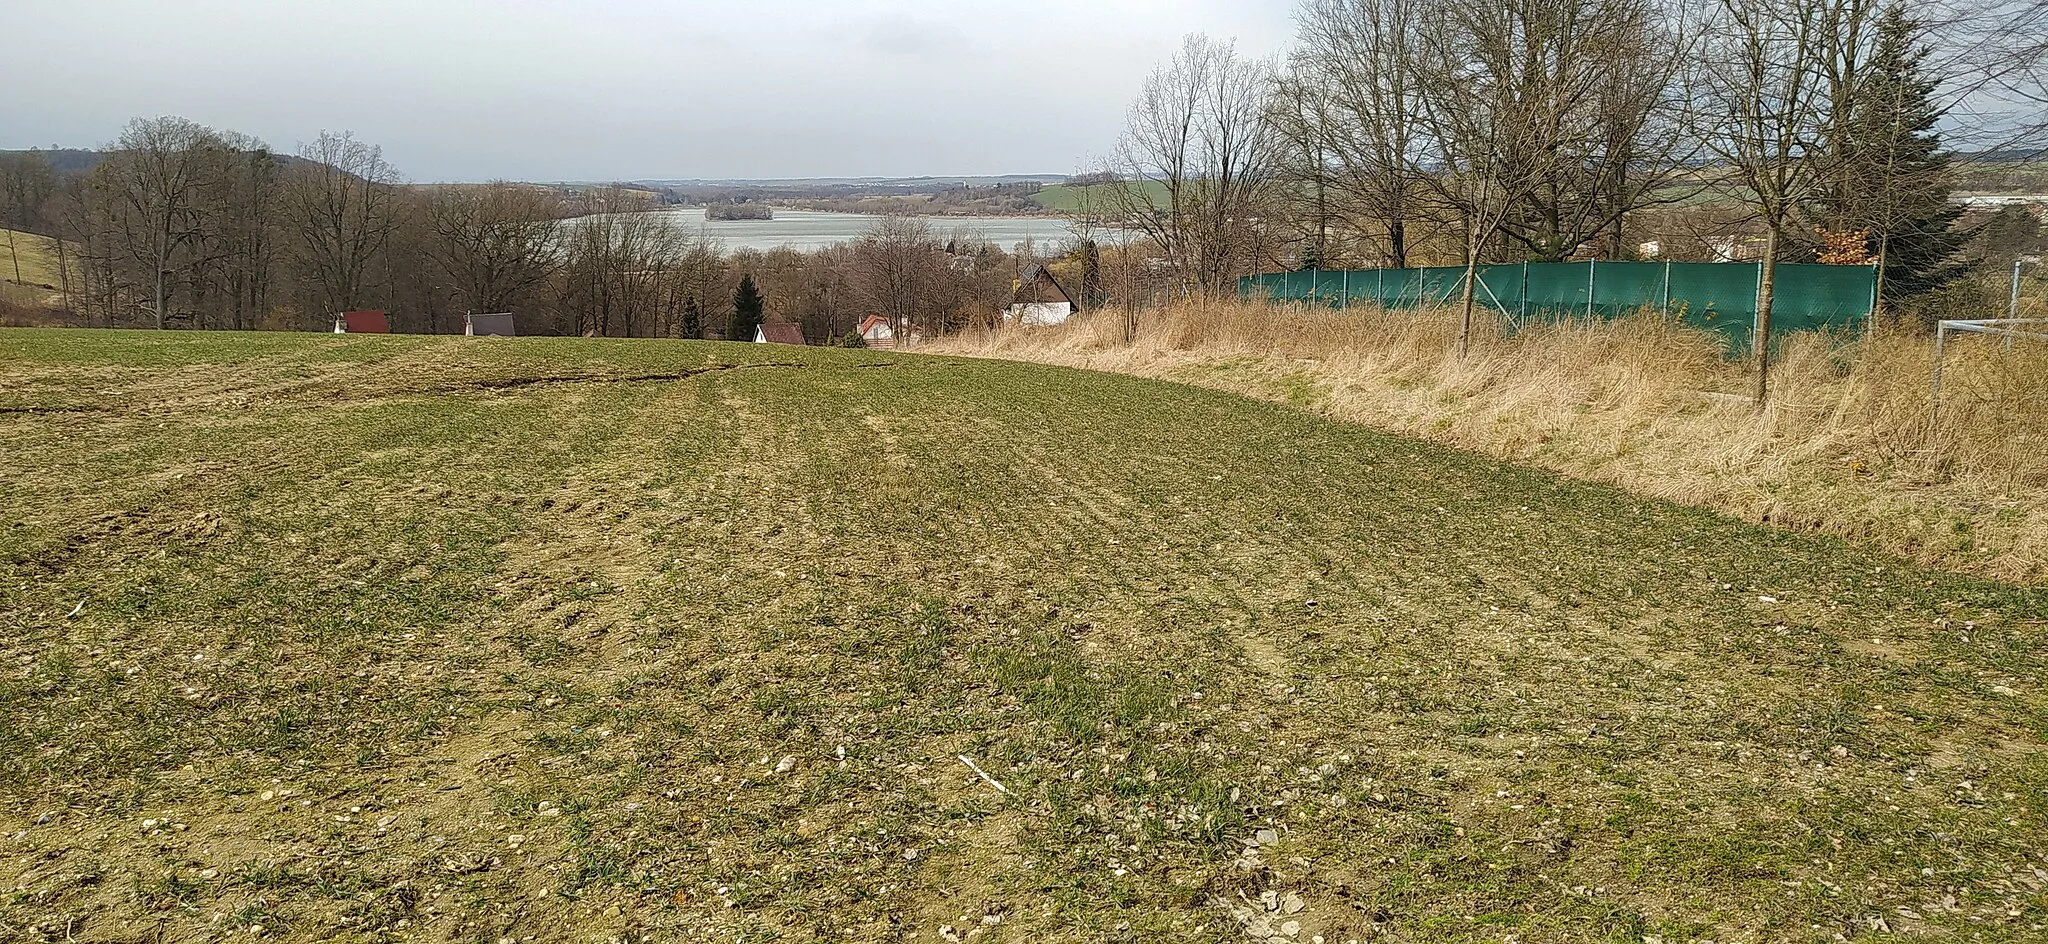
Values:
[(2031, 329)]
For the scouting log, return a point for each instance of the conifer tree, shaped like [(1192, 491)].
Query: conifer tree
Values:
[(693, 319), (1897, 176), (746, 310)]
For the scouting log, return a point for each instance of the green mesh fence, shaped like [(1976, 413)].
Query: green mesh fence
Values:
[(1716, 296)]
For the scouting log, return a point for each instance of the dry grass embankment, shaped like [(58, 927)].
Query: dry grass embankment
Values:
[(1850, 444)]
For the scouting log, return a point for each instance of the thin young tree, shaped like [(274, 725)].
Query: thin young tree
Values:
[(1763, 112)]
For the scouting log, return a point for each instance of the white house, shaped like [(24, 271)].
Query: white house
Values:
[(875, 332), (1039, 300)]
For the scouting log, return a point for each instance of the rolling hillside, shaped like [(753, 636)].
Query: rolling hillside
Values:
[(27, 257), (1070, 198), (366, 639)]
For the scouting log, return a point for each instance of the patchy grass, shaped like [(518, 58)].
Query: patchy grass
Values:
[(1852, 444), (373, 639)]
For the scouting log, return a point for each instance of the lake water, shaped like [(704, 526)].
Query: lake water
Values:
[(806, 230)]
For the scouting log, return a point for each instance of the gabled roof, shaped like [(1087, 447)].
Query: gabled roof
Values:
[(872, 322), (1038, 285), (496, 324), (365, 322), (781, 333)]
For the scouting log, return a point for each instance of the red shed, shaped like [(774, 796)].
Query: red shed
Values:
[(779, 333), (362, 322)]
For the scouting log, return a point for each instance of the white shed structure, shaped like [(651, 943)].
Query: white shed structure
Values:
[(1040, 300)]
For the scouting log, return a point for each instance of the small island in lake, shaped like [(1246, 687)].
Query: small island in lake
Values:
[(738, 211)]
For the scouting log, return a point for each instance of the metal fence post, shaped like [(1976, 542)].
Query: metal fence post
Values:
[(1523, 307), (1589, 288), (1346, 306), (1940, 348), (1667, 288)]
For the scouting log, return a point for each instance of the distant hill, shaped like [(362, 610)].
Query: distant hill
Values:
[(64, 160), (83, 160), (874, 184)]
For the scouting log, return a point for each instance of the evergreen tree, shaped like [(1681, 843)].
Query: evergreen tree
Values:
[(1897, 177), (746, 310), (693, 319), (1091, 275)]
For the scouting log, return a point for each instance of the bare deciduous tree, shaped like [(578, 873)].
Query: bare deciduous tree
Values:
[(1491, 108), (236, 242), (1763, 112), (627, 273), (495, 243), (1353, 82), (897, 271), (1198, 139), (339, 211), (27, 182), (150, 185)]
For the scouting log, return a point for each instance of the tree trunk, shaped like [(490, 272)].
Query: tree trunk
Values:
[(1465, 322), (64, 274), (158, 296), (1884, 250), (1761, 337), (1471, 276)]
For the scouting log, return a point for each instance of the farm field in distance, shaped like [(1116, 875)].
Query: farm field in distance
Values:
[(34, 259), (319, 638)]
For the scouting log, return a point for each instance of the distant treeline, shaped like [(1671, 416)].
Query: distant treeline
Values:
[(1398, 133), (180, 225)]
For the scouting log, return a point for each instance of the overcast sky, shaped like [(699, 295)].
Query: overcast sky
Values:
[(617, 89)]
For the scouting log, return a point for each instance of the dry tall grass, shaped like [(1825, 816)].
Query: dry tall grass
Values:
[(1852, 442)]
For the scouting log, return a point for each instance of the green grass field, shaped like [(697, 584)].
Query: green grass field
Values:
[(380, 639)]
